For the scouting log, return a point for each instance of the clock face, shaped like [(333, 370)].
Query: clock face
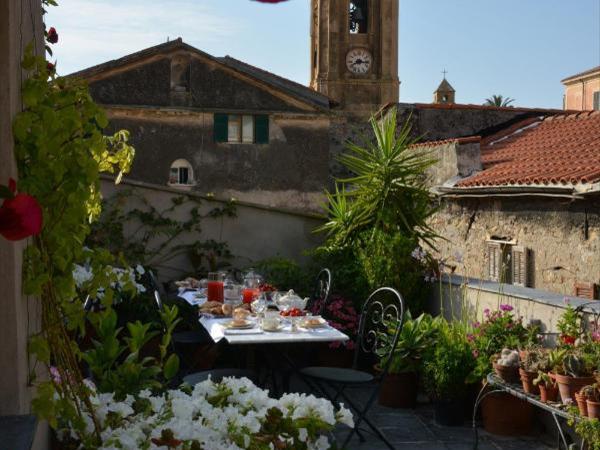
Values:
[(358, 61)]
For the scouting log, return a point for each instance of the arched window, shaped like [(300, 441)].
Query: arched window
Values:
[(359, 16), (181, 173)]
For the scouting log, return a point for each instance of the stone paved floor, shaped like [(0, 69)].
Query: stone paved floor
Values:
[(416, 429)]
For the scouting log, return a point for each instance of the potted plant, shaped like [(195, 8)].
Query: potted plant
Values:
[(500, 329), (575, 372), (445, 370), (591, 394), (547, 386), (532, 361), (399, 388), (569, 326), (506, 365), (545, 380)]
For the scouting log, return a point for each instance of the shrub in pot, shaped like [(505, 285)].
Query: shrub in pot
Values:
[(547, 386), (445, 369), (399, 388), (591, 395), (533, 360), (499, 329), (575, 372)]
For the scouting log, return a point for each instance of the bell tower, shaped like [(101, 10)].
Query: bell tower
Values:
[(354, 48)]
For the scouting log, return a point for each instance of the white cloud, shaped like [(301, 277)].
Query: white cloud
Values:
[(95, 31)]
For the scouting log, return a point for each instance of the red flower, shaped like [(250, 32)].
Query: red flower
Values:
[(20, 215), (50, 67), (52, 35), (569, 340), (270, 1)]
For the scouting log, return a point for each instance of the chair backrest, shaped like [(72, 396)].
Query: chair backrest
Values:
[(381, 321), (156, 287), (322, 290)]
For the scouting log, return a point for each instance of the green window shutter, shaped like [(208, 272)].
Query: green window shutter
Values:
[(261, 129), (220, 127)]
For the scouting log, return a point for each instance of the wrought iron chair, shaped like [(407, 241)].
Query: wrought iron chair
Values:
[(383, 310), (179, 338), (322, 290)]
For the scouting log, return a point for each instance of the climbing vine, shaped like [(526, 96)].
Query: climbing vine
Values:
[(60, 152)]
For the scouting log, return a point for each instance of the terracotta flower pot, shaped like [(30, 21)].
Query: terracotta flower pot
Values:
[(510, 374), (593, 409), (548, 393), (527, 381), (399, 390), (569, 386), (581, 404), (506, 415)]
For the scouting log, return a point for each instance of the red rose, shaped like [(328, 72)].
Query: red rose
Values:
[(52, 35), (20, 216), (50, 67)]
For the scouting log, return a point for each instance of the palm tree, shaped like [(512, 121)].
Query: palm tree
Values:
[(498, 100)]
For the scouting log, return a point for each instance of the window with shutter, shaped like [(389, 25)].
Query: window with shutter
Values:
[(497, 261), (261, 129), (597, 101), (586, 290), (221, 127), (520, 269), (493, 261)]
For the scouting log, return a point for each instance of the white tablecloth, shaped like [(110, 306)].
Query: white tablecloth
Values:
[(257, 336), (192, 296)]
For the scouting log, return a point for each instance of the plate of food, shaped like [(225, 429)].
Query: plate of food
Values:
[(239, 324), (314, 322), (216, 309)]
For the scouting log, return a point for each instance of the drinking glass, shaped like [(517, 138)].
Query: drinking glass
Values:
[(214, 287)]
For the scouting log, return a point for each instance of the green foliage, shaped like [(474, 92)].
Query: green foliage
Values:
[(60, 152), (589, 429), (499, 330), (569, 326), (147, 235), (388, 191), (498, 100), (348, 277), (381, 212), (448, 364), (416, 338), (286, 274), (387, 261), (117, 362)]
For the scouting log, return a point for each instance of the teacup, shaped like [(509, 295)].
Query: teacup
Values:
[(271, 321)]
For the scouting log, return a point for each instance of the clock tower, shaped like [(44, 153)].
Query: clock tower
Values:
[(354, 48)]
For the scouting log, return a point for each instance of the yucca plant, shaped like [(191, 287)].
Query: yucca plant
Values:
[(381, 210), (387, 190)]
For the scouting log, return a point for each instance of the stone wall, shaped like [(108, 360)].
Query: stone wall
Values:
[(291, 171), (563, 237), (256, 233)]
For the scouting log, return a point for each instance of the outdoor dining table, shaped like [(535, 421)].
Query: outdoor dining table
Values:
[(217, 331)]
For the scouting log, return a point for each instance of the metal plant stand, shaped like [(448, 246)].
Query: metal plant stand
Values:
[(495, 385)]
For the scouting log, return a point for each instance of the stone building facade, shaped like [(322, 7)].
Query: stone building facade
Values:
[(522, 206), (582, 91), (217, 125)]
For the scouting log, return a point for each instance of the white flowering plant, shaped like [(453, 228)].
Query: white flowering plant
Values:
[(231, 415)]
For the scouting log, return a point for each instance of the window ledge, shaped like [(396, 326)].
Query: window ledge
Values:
[(525, 293), (183, 187)]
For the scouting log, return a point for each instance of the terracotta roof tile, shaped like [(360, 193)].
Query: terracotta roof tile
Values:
[(559, 150)]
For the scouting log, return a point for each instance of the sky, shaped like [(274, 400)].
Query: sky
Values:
[(515, 48)]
